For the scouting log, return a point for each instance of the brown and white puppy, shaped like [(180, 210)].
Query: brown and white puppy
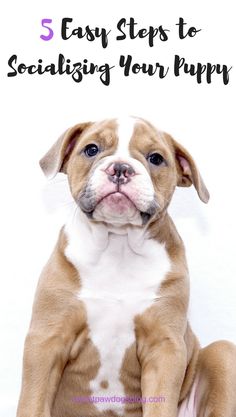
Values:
[(109, 334)]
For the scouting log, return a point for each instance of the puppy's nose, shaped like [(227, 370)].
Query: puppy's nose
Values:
[(120, 172)]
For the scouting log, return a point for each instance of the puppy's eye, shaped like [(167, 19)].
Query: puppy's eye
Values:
[(156, 159), (91, 150)]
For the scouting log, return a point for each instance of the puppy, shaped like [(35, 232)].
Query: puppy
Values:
[(109, 335)]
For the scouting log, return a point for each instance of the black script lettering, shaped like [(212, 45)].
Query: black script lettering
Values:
[(199, 70), (63, 66), (134, 33), (135, 68), (12, 60), (192, 31), (88, 33)]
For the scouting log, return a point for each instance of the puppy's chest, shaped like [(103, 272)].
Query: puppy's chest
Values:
[(117, 279), (117, 284)]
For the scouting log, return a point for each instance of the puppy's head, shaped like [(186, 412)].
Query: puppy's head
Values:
[(122, 171)]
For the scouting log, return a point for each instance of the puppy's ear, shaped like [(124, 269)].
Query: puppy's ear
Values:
[(55, 159), (188, 173)]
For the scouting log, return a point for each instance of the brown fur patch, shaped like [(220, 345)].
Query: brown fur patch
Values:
[(104, 384)]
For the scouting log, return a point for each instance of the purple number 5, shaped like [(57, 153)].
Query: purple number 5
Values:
[(50, 31)]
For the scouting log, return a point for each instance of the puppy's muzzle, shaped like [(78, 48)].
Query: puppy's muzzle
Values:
[(118, 177), (120, 173)]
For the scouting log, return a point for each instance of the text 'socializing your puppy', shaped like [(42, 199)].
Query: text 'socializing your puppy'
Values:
[(127, 65)]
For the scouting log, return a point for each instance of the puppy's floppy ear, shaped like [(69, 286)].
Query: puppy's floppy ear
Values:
[(188, 173), (54, 160)]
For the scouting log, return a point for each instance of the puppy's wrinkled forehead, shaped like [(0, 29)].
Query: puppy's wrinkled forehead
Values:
[(125, 135)]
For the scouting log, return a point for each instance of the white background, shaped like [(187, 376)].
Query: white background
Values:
[(37, 109)]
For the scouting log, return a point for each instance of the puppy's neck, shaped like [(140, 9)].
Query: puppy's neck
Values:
[(99, 234), (88, 242)]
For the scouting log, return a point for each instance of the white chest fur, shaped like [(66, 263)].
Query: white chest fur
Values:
[(120, 276)]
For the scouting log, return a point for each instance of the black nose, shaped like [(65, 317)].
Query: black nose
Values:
[(120, 172), (123, 169)]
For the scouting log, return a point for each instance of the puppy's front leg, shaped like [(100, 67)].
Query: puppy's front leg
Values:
[(58, 320), (163, 357), (45, 355)]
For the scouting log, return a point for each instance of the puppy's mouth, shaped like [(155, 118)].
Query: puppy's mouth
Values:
[(116, 202), (117, 198)]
